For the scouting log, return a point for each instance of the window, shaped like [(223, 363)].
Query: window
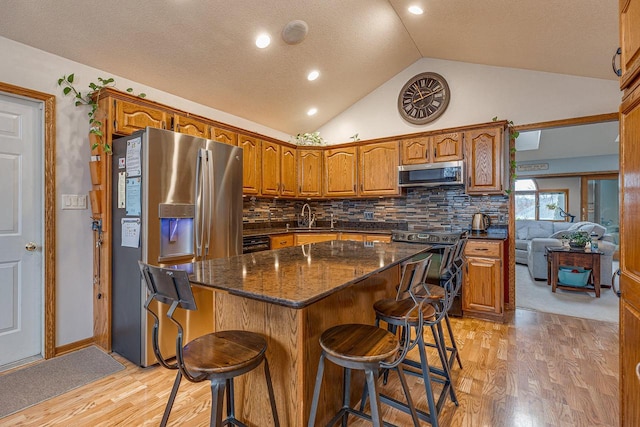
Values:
[(532, 203)]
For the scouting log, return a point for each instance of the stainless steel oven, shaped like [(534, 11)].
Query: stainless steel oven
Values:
[(439, 239)]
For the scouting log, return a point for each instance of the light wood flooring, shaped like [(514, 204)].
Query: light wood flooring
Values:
[(538, 369)]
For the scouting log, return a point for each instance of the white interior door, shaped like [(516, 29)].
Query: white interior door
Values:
[(21, 201)]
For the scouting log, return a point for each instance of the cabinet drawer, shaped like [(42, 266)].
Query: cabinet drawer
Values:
[(281, 241), (483, 248)]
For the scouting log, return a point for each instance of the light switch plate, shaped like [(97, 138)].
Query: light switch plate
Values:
[(74, 201)]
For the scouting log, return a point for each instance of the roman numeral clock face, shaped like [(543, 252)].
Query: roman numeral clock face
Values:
[(423, 98)]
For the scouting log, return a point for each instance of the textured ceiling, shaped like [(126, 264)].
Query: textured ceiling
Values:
[(204, 50)]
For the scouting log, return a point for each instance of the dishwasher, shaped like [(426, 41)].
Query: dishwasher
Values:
[(255, 244)]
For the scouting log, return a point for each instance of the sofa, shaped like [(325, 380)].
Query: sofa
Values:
[(532, 237)]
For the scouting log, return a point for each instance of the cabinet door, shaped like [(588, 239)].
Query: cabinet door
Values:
[(415, 151), (629, 365), (310, 173), (629, 41), (630, 256), (447, 147), (379, 169), (484, 160), (482, 285), (223, 135), (288, 176), (190, 126), (251, 161), (270, 168), (132, 117), (281, 241), (340, 172), (357, 237), (304, 238)]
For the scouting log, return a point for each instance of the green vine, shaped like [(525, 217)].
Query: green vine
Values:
[(91, 98), (513, 135)]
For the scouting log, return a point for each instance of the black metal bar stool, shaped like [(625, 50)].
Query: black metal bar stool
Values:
[(392, 311), (218, 357), (451, 265), (367, 348)]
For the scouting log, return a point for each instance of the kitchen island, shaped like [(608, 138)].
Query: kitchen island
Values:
[(291, 296)]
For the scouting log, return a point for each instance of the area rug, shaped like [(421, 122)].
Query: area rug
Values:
[(536, 295), (33, 384)]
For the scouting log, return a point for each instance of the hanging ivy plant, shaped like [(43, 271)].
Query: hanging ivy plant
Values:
[(91, 98)]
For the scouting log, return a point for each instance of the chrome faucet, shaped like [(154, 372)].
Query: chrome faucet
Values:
[(333, 221), (312, 217)]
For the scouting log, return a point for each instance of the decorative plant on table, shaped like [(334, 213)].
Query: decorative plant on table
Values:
[(579, 239), (308, 139), (91, 98)]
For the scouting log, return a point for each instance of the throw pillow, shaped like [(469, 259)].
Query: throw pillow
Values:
[(535, 232)]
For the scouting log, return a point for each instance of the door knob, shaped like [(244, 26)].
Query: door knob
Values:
[(31, 246)]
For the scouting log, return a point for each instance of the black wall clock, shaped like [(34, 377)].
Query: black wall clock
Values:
[(423, 98)]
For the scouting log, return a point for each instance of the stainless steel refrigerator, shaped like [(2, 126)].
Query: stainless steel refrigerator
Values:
[(176, 199)]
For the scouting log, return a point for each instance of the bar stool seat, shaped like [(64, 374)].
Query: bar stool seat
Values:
[(217, 357), (389, 309), (367, 348)]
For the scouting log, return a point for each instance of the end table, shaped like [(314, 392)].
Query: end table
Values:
[(586, 258)]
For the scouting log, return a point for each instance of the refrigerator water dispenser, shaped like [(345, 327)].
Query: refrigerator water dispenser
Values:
[(176, 231)]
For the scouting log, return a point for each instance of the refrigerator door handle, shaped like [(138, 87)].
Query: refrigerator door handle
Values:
[(209, 200), (200, 181)]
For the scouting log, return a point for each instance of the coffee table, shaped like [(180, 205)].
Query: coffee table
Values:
[(585, 258)]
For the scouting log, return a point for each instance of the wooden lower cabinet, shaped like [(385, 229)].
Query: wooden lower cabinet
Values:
[(629, 364), (282, 241), (483, 286), (357, 237), (384, 238), (304, 238)]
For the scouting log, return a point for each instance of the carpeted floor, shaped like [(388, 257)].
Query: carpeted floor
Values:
[(33, 384), (537, 295)]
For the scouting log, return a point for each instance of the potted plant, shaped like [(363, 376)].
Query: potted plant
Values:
[(308, 139), (91, 98), (578, 239)]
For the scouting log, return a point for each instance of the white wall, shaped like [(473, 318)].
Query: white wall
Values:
[(478, 93), (34, 69)]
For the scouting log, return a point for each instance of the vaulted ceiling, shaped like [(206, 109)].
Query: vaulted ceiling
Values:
[(205, 51)]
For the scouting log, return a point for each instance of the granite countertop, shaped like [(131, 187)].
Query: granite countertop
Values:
[(491, 234), (267, 231), (298, 276)]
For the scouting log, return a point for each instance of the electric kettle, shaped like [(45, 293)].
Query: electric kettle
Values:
[(480, 222)]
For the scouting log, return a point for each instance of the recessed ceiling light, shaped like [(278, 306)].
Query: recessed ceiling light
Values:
[(263, 41), (313, 75), (416, 10), (312, 111)]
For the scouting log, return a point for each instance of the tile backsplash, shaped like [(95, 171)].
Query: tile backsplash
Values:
[(441, 208)]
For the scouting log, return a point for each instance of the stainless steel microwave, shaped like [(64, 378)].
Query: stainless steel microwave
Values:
[(431, 174)]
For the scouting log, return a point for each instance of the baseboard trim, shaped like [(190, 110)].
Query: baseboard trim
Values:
[(67, 348)]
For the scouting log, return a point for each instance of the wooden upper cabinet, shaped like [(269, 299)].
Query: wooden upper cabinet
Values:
[(132, 117), (432, 149), (415, 151), (223, 135), (629, 41), (340, 172), (270, 168), (447, 147), (288, 175), (252, 162), (310, 173), (379, 169), (190, 126), (484, 160)]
